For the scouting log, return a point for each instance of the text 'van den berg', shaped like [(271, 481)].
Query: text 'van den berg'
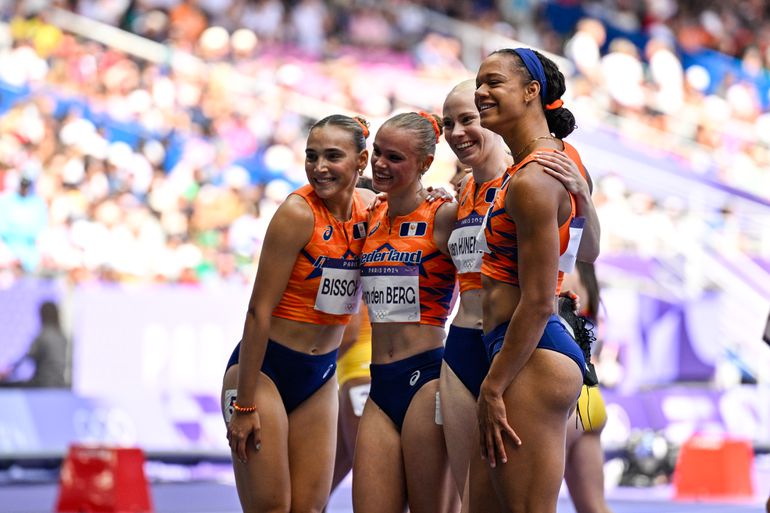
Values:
[(391, 296)]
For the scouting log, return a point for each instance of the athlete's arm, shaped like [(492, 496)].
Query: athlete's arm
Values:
[(560, 166), (289, 231), (533, 203), (446, 215)]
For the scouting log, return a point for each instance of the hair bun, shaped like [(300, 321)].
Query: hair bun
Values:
[(364, 125)]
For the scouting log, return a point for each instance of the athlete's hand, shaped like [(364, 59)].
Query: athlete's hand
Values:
[(244, 430), (438, 193), (493, 425), (574, 297), (380, 197), (560, 166)]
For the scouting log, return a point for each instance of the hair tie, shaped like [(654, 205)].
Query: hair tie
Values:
[(556, 104), (535, 68), (433, 123), (364, 128)]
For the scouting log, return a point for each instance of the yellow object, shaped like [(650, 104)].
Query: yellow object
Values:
[(591, 409), (355, 362)]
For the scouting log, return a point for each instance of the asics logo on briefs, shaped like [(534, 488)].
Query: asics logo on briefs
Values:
[(328, 370), (328, 233), (413, 379), (359, 230), (413, 229)]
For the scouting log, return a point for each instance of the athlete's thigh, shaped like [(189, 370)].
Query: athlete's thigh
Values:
[(428, 479), (379, 485), (584, 474), (343, 459), (538, 404), (481, 496), (312, 447), (458, 411), (353, 395), (263, 482)]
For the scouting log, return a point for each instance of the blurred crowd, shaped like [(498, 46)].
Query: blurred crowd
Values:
[(650, 66), (118, 168)]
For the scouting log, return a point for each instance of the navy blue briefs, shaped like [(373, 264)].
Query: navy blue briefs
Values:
[(394, 384), (555, 337), (296, 375), (466, 355)]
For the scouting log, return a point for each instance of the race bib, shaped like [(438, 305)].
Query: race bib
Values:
[(339, 292), (463, 244), (568, 258), (392, 293)]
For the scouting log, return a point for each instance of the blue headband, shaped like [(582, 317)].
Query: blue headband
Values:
[(534, 66)]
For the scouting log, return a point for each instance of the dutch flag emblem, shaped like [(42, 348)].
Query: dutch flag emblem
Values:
[(413, 229), (359, 230)]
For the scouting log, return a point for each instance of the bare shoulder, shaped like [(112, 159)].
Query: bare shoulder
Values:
[(294, 218), (532, 177), (446, 215), (533, 186)]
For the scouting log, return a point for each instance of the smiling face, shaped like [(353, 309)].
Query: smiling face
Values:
[(502, 92), (332, 161), (471, 143), (396, 164)]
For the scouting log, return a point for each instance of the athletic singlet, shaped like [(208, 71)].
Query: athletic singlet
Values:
[(404, 275), (501, 260), (324, 286), (475, 200)]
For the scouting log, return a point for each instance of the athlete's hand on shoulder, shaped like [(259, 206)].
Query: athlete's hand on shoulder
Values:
[(435, 193), (244, 433), (493, 425), (560, 166), (379, 198)]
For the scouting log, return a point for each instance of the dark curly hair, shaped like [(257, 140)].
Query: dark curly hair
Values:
[(561, 122)]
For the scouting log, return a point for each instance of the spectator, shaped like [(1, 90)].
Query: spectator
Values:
[(48, 352), (23, 217)]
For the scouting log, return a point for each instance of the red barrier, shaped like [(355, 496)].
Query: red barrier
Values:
[(98, 479), (714, 467)]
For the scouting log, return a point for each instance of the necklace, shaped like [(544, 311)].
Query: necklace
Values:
[(530, 143)]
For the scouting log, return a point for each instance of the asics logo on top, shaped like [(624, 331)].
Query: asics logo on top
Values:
[(328, 233), (374, 229)]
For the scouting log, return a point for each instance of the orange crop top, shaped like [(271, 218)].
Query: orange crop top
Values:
[(475, 199), (324, 286), (501, 262), (405, 277)]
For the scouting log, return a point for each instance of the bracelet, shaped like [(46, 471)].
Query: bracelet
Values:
[(244, 409)]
